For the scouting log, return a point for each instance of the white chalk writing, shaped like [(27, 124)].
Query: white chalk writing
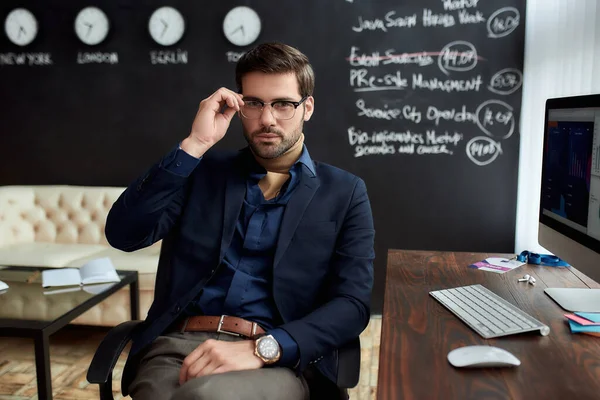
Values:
[(482, 150), (97, 58), (503, 22), (30, 59), (390, 21), (495, 118), (361, 81), (506, 81), (452, 5), (459, 55), (448, 85), (431, 19), (411, 114), (375, 59), (464, 17), (408, 142), (421, 59), (435, 114), (378, 113), (169, 57)]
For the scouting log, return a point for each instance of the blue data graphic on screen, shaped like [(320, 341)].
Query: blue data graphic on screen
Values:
[(567, 169)]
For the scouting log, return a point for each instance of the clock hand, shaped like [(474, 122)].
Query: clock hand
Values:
[(165, 27), (242, 26), (90, 26), (237, 29), (21, 29)]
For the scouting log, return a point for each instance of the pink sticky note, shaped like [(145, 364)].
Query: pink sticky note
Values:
[(581, 321)]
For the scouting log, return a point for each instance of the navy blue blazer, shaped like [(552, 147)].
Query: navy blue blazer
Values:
[(323, 265)]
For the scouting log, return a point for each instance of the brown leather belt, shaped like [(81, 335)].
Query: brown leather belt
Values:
[(224, 324)]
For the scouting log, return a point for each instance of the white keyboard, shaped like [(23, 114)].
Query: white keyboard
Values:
[(486, 312)]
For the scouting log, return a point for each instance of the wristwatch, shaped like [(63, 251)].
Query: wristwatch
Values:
[(267, 349)]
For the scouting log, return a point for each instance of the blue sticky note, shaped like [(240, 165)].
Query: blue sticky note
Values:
[(594, 317), (575, 327)]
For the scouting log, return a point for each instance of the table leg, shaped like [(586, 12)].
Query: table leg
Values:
[(134, 299), (42, 366)]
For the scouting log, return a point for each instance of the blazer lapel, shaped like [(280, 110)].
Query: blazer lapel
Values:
[(294, 211), (234, 198)]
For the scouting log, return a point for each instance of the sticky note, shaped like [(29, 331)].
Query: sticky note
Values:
[(594, 317)]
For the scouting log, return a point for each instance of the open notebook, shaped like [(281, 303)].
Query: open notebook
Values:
[(100, 270)]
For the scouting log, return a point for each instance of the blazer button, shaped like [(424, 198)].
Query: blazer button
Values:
[(177, 308)]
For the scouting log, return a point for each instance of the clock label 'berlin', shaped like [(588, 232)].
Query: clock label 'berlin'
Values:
[(169, 57)]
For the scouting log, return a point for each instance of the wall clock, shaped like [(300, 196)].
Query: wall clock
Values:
[(91, 25), (166, 26), (241, 26), (20, 26)]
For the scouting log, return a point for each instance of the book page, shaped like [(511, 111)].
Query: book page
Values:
[(100, 270), (61, 277), (63, 290), (98, 288)]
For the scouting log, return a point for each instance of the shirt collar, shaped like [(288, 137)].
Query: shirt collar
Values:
[(306, 160)]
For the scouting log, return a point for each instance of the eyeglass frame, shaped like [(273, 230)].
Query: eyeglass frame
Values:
[(296, 104)]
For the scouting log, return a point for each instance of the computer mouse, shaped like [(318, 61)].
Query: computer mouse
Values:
[(3, 286), (482, 356)]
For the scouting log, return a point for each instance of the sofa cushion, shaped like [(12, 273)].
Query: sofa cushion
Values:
[(55, 213), (40, 254)]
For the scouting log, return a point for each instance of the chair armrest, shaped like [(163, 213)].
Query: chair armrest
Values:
[(348, 364), (108, 352)]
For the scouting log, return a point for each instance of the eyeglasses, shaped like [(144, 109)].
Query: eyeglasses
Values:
[(281, 109)]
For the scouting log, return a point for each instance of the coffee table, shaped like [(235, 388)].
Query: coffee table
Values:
[(50, 312)]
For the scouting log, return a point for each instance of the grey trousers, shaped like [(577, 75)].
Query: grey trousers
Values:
[(158, 375)]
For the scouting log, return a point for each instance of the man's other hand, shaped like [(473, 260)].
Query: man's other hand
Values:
[(216, 356)]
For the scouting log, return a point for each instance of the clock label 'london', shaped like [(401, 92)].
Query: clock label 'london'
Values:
[(97, 58)]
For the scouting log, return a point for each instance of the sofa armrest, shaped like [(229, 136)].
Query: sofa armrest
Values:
[(107, 354), (348, 364)]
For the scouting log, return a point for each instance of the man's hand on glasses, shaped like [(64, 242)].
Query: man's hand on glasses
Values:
[(210, 124)]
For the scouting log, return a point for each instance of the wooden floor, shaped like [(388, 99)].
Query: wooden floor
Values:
[(72, 349)]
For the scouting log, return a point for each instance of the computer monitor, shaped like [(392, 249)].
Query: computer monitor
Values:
[(569, 221)]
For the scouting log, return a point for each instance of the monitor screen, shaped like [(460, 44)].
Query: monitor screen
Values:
[(570, 192)]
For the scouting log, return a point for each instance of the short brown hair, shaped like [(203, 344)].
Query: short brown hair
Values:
[(277, 58)]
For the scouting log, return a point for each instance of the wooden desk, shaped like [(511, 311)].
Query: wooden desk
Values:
[(418, 332)]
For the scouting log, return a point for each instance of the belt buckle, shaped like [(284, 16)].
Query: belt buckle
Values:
[(219, 330)]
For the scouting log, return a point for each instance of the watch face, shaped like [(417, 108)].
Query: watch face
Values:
[(91, 25), (21, 26), (241, 26), (166, 26), (268, 347)]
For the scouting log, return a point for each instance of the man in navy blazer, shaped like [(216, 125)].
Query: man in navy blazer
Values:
[(271, 265)]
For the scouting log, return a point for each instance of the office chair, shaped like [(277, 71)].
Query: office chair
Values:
[(111, 347)]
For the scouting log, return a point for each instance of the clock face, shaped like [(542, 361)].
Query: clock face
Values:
[(21, 26), (166, 26), (91, 25), (241, 26)]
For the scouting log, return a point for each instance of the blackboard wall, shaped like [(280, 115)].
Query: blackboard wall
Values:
[(393, 79)]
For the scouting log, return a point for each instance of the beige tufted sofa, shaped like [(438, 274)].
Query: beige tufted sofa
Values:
[(63, 226)]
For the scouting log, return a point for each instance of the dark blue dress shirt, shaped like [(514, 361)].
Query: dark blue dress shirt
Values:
[(242, 286)]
